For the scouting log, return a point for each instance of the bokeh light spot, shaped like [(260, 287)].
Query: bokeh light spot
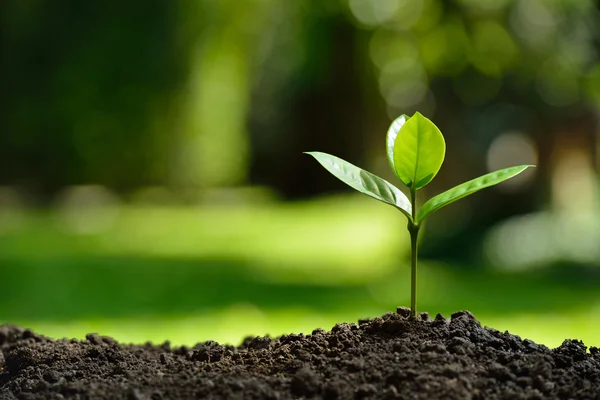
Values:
[(513, 148), (373, 12)]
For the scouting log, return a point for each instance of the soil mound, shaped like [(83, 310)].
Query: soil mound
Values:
[(392, 357)]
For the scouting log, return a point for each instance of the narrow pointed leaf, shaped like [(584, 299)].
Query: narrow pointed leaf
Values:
[(364, 181), (467, 188), (419, 151), (390, 139)]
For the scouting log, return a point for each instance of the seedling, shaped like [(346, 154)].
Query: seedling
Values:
[(415, 150)]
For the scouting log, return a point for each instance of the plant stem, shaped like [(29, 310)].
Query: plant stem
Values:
[(413, 229), (414, 233)]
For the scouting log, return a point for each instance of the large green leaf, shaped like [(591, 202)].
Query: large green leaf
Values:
[(390, 139), (419, 151), (467, 188), (364, 181)]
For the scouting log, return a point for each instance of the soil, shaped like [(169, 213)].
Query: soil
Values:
[(382, 358)]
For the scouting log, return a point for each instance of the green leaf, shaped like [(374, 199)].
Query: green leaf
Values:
[(364, 181), (390, 139), (467, 188), (419, 152)]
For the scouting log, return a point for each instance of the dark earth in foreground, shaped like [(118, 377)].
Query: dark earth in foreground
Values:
[(393, 357)]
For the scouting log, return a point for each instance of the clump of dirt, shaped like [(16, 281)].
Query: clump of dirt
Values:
[(382, 358)]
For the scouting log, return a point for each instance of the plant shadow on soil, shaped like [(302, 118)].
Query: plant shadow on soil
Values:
[(76, 288)]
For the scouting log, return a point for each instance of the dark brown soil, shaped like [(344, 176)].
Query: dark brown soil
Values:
[(382, 358)]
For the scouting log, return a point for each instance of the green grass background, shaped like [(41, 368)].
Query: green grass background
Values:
[(221, 273)]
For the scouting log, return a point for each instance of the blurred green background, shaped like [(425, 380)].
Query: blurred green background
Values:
[(153, 186)]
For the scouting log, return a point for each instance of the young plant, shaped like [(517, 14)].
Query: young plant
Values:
[(415, 150)]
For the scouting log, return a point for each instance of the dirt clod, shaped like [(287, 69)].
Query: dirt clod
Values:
[(393, 356)]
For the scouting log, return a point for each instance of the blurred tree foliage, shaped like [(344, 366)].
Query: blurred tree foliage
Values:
[(88, 88), (315, 90), (197, 94), (479, 68)]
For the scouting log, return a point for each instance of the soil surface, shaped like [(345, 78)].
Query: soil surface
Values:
[(382, 358)]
